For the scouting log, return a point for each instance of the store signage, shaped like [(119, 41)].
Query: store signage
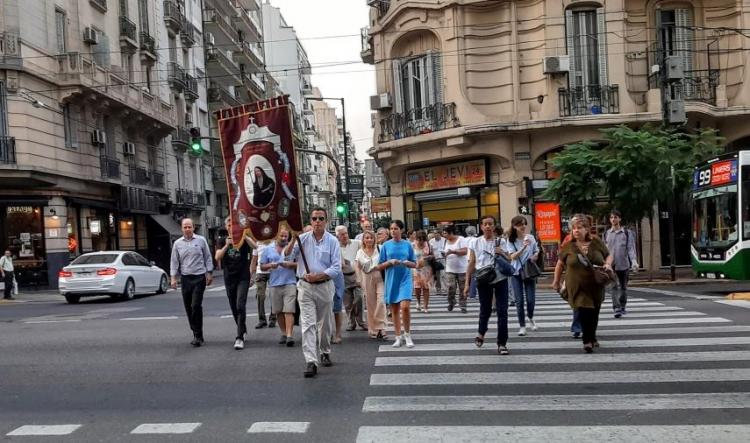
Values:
[(716, 174), (547, 221), (380, 204), (356, 182), (95, 227), (20, 209), (453, 175)]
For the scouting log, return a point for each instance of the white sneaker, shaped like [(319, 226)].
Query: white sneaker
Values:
[(407, 339), (522, 332), (531, 322), (239, 344), (397, 342)]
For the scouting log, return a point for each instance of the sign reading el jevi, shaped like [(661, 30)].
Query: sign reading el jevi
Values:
[(547, 221), (451, 175)]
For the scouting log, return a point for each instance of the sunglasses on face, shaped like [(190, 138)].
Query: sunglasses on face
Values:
[(318, 218)]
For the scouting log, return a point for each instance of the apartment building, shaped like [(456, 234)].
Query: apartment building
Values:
[(475, 96)]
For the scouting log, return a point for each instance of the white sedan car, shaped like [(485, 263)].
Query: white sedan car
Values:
[(122, 274)]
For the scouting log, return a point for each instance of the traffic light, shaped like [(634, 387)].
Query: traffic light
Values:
[(196, 147), (342, 208)]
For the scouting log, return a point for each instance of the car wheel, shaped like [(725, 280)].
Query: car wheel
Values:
[(129, 292), (73, 299), (163, 285)]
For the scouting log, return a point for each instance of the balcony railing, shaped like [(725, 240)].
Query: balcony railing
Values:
[(180, 138), (185, 197), (7, 150), (148, 44), (128, 31), (381, 5), (219, 94), (110, 167), (173, 17), (366, 54), (191, 88), (137, 200), (139, 176), (188, 34), (418, 121), (157, 179), (175, 76), (589, 100), (698, 85), (99, 4)]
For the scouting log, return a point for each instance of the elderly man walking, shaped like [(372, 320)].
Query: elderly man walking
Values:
[(353, 300), (318, 262), (7, 270), (191, 260)]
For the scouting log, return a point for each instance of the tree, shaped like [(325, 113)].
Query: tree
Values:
[(632, 168)]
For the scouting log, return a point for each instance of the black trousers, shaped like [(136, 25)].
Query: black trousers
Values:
[(8, 280), (193, 287), (589, 318), (499, 294), (237, 294)]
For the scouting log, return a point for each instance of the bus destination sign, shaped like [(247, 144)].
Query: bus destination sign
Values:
[(715, 174)]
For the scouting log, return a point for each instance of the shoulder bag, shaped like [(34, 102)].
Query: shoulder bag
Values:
[(529, 269)]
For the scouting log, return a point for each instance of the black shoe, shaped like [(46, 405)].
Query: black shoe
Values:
[(326, 360), (351, 328), (272, 323), (196, 342), (283, 340), (450, 308), (463, 310), (261, 324), (289, 342), (311, 370)]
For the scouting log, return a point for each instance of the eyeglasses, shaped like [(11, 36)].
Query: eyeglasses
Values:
[(318, 218)]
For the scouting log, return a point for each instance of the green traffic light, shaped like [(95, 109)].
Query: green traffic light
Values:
[(340, 208), (196, 147)]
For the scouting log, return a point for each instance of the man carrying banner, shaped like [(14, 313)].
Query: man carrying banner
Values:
[(318, 262)]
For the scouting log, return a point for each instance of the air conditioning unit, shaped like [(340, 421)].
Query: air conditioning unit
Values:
[(128, 148), (557, 64), (380, 102), (98, 137), (90, 36), (210, 40)]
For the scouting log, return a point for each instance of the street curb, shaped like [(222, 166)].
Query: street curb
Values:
[(658, 282)]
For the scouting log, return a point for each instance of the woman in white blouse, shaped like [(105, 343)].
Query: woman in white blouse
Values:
[(373, 285)]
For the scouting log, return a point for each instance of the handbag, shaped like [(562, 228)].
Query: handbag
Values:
[(563, 291), (530, 270), (603, 276), (486, 275)]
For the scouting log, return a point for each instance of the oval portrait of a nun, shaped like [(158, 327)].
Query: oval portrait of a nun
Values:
[(260, 181)]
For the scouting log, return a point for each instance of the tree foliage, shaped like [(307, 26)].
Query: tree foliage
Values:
[(632, 168)]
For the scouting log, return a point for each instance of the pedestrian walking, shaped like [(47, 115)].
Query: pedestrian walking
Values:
[(383, 236), (368, 258), (261, 288), (584, 292), (282, 285), (353, 300), (471, 238), (8, 274), (482, 257), (523, 250), (318, 259), (456, 249), (423, 271), (235, 263), (437, 244), (620, 242), (366, 226), (575, 325), (191, 261), (397, 259)]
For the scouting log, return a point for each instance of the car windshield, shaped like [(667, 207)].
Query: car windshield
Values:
[(95, 259)]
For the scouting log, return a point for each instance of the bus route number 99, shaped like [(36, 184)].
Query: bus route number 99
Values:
[(704, 177)]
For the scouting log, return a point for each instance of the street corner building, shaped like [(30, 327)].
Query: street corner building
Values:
[(97, 99), (474, 97)]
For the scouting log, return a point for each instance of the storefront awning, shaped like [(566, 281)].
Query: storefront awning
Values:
[(23, 201), (168, 224), (442, 195), (86, 202)]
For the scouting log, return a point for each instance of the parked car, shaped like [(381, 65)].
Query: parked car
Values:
[(121, 274)]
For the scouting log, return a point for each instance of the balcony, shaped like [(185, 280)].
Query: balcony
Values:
[(215, 22), (218, 95), (110, 167), (10, 51), (157, 179), (139, 176), (221, 64), (381, 5), (697, 86), (191, 88), (366, 54), (180, 138), (101, 5), (256, 86), (128, 34), (138, 201), (589, 100), (7, 150), (185, 197), (176, 76), (189, 34), (418, 121), (148, 46), (173, 17), (245, 22), (250, 52)]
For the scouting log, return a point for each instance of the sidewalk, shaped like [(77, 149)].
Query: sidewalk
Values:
[(662, 277)]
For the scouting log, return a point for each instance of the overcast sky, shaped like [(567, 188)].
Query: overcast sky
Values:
[(340, 20)]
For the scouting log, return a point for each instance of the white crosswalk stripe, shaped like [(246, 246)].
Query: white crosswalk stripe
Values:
[(659, 358), (46, 430), (165, 428), (290, 427)]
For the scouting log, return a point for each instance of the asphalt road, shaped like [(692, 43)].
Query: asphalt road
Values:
[(677, 368)]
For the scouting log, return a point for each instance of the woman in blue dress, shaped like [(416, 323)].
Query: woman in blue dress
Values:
[(397, 260)]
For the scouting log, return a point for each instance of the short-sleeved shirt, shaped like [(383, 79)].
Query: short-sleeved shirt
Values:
[(437, 246), (583, 290), (454, 263), (258, 252), (236, 262), (398, 279), (280, 276), (513, 247)]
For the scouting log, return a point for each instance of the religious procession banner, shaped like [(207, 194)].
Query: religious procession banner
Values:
[(258, 153)]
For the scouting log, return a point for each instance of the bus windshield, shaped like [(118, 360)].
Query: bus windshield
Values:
[(715, 217)]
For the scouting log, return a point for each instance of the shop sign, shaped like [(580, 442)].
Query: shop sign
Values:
[(380, 204), (547, 221), (20, 209), (453, 175), (425, 222), (95, 226), (25, 237)]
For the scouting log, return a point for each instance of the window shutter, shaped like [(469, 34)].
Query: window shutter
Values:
[(101, 51), (601, 38), (60, 31), (143, 14), (124, 8), (435, 74), (570, 33), (398, 95), (684, 37)]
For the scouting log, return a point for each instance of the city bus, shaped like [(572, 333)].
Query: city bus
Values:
[(721, 217)]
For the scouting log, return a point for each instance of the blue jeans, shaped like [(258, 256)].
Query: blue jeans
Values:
[(521, 287), (575, 327), (338, 296), (473, 287), (498, 291)]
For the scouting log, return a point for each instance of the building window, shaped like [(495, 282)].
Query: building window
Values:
[(675, 34), (417, 83), (60, 30), (143, 14), (147, 74), (127, 66), (587, 47), (70, 127)]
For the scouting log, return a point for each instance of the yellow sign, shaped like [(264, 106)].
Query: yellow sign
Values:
[(451, 175), (380, 204)]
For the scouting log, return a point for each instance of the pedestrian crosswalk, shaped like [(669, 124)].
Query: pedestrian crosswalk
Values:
[(278, 427), (660, 372)]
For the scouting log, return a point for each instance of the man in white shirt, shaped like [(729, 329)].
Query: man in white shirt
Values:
[(455, 267), (471, 240), (352, 294), (366, 226), (437, 244), (261, 286), (7, 272)]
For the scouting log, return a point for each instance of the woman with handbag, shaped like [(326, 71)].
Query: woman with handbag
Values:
[(491, 283), (372, 282), (587, 265), (423, 271), (523, 251)]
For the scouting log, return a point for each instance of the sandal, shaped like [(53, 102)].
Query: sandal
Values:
[(478, 341), (596, 343), (502, 350), (588, 347)]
